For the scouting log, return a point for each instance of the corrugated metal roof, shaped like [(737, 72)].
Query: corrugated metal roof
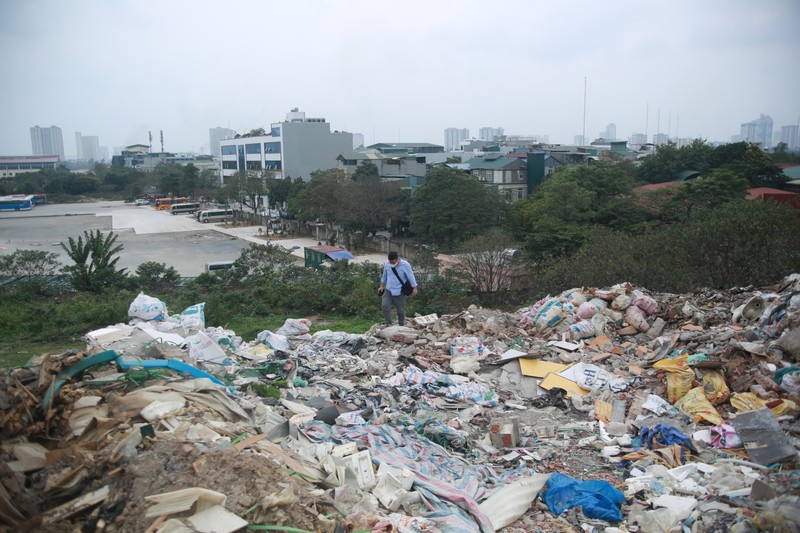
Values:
[(483, 163)]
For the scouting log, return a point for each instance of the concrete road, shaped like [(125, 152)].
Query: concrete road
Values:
[(146, 235)]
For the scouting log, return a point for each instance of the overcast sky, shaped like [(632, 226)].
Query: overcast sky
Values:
[(394, 71)]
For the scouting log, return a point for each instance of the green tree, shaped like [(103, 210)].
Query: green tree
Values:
[(753, 163), (371, 204), (189, 180), (707, 192), (366, 170), (29, 263), (322, 197), (95, 261), (453, 159), (452, 206), (156, 277), (556, 219), (278, 191), (260, 261), (244, 188)]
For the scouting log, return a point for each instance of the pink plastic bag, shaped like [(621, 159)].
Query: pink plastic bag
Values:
[(724, 436), (645, 303), (635, 317)]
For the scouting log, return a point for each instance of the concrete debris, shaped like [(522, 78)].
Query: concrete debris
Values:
[(597, 409)]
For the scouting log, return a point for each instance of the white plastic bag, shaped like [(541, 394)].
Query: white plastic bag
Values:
[(274, 340), (204, 348), (294, 327), (194, 317), (146, 307)]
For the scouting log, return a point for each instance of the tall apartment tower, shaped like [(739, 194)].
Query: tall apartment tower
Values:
[(789, 135), (610, 133), (453, 137), (88, 147), (758, 131), (489, 134), (47, 141), (215, 135)]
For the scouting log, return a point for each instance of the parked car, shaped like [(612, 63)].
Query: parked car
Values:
[(383, 235), (141, 201)]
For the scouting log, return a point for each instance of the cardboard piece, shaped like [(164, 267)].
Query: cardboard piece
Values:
[(539, 369), (552, 381)]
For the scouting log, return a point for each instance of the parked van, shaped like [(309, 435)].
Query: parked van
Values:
[(214, 215), (183, 208), (219, 265)]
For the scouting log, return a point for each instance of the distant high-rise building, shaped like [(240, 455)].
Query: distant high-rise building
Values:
[(88, 147), (47, 141), (660, 139), (78, 146), (453, 137), (216, 135), (758, 131), (579, 140), (358, 140), (637, 139), (610, 133), (789, 135), (489, 134)]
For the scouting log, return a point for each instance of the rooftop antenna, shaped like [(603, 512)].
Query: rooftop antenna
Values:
[(658, 126), (646, 121), (669, 123), (583, 133), (150, 136), (162, 140)]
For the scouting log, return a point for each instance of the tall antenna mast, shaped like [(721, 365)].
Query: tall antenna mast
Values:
[(583, 133), (646, 121), (162, 140), (150, 136)]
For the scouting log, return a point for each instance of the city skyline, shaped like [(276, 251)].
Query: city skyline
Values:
[(687, 70)]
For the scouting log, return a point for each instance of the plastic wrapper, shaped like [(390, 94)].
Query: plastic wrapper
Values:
[(467, 347), (294, 327), (574, 296), (635, 317), (724, 436), (715, 388), (550, 315), (644, 302), (696, 404), (747, 401), (274, 340), (679, 376), (193, 317), (621, 302), (582, 330), (146, 307), (204, 348)]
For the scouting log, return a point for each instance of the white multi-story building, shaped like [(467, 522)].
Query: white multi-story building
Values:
[(637, 139), (610, 133), (215, 135), (88, 147), (758, 131), (453, 137), (358, 140), (660, 139), (789, 135), (47, 141), (293, 148), (489, 134)]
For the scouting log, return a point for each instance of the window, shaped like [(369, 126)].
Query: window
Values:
[(276, 131), (253, 148), (229, 165), (272, 148), (240, 156), (229, 149), (272, 165), (254, 165)]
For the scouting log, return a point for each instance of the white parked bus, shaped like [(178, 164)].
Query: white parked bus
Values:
[(219, 265), (215, 215), (183, 208)]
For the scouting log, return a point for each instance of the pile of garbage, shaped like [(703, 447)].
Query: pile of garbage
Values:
[(612, 409)]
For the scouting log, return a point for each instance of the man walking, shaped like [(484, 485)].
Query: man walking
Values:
[(397, 282)]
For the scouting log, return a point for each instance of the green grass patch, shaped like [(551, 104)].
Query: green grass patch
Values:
[(15, 354)]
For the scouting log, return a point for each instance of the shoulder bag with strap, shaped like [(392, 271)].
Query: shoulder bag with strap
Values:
[(406, 289)]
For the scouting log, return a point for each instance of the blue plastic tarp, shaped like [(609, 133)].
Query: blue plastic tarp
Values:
[(597, 499)]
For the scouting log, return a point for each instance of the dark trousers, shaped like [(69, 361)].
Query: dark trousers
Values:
[(398, 302)]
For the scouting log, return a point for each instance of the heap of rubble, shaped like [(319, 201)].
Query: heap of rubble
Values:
[(612, 409)]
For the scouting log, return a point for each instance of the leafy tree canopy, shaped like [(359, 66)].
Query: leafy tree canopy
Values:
[(452, 206)]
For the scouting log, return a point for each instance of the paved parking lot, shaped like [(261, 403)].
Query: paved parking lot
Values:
[(146, 235)]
